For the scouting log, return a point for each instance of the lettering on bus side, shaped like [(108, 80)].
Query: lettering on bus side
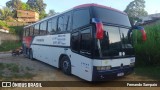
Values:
[(40, 40), (60, 39)]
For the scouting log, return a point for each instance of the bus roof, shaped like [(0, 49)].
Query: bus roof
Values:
[(97, 5), (77, 7)]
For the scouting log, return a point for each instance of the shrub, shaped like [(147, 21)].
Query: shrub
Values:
[(148, 52), (3, 24)]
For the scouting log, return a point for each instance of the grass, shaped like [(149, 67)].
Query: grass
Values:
[(9, 45), (9, 71), (2, 66), (13, 67), (148, 52), (150, 72)]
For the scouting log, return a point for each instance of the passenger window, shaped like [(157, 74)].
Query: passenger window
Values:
[(43, 27), (24, 32), (52, 25), (75, 41), (61, 24), (85, 43), (67, 22), (27, 32), (81, 18), (31, 31), (36, 29)]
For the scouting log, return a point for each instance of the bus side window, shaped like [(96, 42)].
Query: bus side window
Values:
[(60, 24), (24, 32), (67, 22), (27, 32), (36, 29), (52, 25), (75, 41), (81, 18), (85, 42), (43, 28), (31, 31), (49, 29)]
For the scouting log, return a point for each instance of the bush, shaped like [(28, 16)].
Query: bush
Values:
[(148, 52), (3, 24), (18, 30), (9, 45)]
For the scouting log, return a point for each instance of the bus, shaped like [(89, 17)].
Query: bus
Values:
[(89, 41)]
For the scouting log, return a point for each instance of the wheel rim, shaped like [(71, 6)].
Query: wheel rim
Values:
[(65, 65)]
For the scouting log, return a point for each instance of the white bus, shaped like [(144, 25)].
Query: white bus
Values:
[(89, 41)]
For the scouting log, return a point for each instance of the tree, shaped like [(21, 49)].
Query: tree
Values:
[(25, 6), (14, 4), (42, 15), (136, 9), (51, 12), (4, 13), (38, 6)]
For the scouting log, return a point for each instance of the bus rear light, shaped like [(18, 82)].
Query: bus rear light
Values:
[(102, 68), (99, 31)]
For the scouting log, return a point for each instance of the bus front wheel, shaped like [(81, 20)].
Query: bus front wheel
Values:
[(66, 65)]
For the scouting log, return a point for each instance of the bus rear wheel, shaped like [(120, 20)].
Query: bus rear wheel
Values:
[(66, 65)]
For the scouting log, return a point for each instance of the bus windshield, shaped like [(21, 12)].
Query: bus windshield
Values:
[(111, 16), (115, 42)]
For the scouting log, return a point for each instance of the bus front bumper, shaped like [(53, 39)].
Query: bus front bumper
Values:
[(111, 74)]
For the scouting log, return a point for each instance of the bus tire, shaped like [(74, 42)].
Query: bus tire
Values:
[(66, 65), (31, 54)]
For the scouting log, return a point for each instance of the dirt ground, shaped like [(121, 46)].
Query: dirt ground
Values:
[(44, 72)]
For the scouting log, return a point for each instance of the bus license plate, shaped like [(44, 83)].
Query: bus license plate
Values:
[(120, 74)]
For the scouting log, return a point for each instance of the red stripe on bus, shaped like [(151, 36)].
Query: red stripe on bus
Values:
[(88, 5)]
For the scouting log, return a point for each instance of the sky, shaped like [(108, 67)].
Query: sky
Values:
[(63, 5)]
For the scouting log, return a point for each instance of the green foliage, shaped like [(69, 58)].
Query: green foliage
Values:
[(12, 30), (151, 72), (9, 71), (25, 6), (148, 52), (3, 24), (10, 19), (17, 30), (136, 9), (42, 15), (2, 66), (9, 45), (38, 6), (14, 4), (13, 67), (5, 12)]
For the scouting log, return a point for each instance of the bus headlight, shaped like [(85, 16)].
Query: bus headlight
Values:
[(101, 68), (132, 64)]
